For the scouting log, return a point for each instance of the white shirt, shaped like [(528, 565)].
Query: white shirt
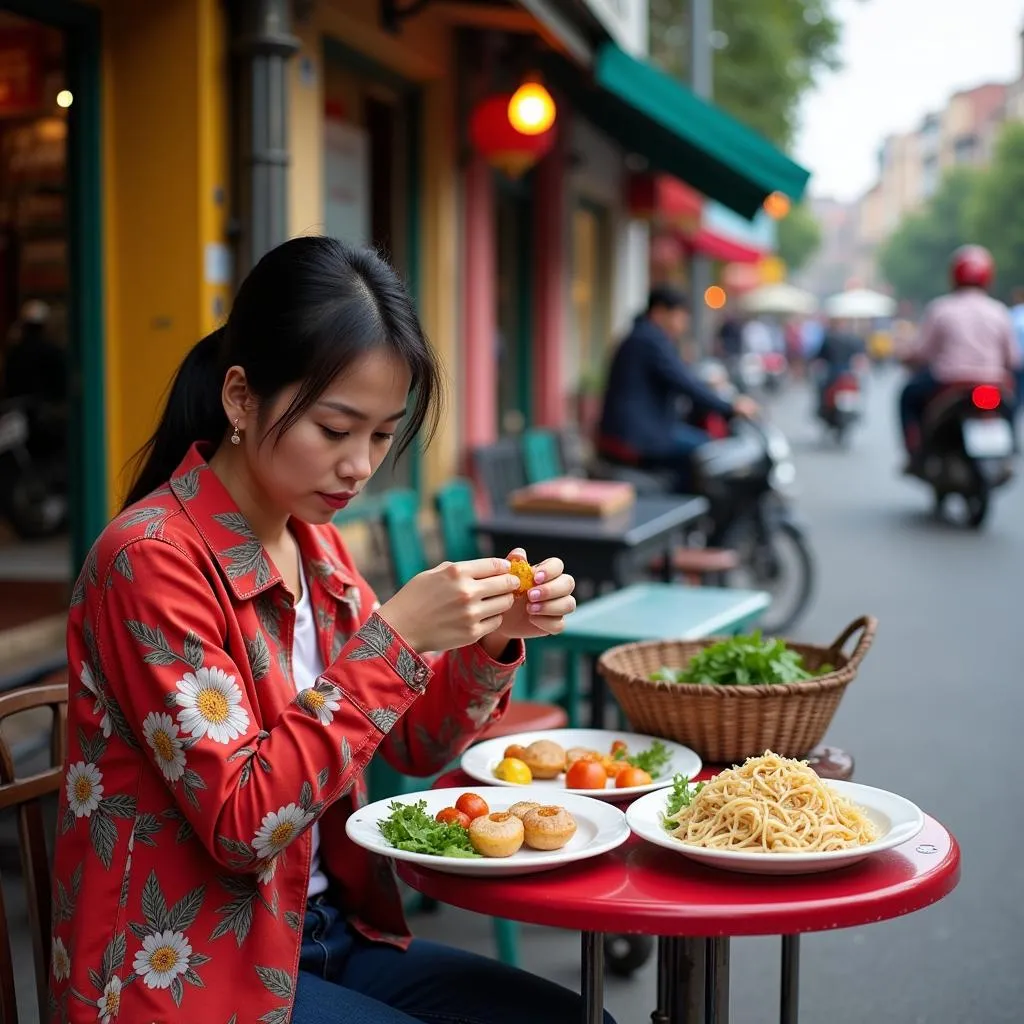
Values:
[(307, 667)]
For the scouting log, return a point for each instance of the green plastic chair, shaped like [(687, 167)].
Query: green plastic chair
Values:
[(456, 513), (400, 515), (542, 455)]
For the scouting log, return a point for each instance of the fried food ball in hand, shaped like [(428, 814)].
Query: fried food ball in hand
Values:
[(522, 569)]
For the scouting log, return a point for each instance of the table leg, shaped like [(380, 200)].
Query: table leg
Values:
[(668, 569), (592, 977), (716, 1009), (689, 993), (789, 1002), (598, 696), (666, 981)]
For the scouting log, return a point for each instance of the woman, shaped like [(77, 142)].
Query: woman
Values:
[(232, 676)]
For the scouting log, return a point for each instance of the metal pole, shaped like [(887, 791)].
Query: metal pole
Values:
[(789, 1001), (716, 1006), (265, 44), (701, 81), (592, 980)]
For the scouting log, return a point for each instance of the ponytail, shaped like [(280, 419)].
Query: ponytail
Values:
[(193, 412)]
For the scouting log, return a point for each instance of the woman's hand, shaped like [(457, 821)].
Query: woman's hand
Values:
[(542, 610), (454, 605)]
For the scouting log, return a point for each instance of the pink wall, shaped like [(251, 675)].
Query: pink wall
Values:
[(550, 287), (478, 391)]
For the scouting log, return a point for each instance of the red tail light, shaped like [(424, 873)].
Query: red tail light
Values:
[(986, 397)]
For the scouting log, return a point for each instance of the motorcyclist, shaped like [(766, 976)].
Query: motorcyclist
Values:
[(640, 421), (841, 349), (965, 336)]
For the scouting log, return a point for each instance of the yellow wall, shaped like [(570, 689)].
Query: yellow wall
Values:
[(423, 53), (165, 153)]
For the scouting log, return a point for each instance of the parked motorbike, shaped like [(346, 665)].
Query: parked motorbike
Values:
[(748, 479), (967, 447), (33, 483)]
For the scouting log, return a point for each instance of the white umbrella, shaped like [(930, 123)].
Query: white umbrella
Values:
[(860, 304), (781, 299)]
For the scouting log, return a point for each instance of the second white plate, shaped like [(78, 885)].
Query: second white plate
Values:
[(896, 819), (480, 761)]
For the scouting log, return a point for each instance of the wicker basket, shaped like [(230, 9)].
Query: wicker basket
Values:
[(726, 724)]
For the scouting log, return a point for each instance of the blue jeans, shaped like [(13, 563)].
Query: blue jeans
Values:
[(343, 979), (916, 394), (684, 441)]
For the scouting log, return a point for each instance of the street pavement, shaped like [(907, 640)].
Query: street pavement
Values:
[(935, 714)]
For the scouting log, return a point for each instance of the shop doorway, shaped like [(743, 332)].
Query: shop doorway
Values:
[(371, 183), (515, 306), (53, 498)]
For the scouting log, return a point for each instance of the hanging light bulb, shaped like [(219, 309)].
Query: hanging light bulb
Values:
[(531, 110)]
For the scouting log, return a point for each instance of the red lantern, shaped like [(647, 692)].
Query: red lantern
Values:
[(501, 145)]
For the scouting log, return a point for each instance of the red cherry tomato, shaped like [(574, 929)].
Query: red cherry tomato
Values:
[(453, 816), (472, 806), (632, 777), (586, 775), (620, 745)]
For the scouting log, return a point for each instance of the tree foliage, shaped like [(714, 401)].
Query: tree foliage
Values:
[(915, 258), (997, 209), (772, 54), (985, 206), (799, 236)]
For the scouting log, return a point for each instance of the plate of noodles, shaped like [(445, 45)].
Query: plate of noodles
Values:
[(774, 816)]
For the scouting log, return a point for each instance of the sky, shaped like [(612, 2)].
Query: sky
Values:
[(901, 59)]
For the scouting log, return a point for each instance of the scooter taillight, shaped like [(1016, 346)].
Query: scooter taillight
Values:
[(986, 397)]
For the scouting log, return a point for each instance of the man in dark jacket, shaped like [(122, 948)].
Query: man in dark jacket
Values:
[(640, 421)]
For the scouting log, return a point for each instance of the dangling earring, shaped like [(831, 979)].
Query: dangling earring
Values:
[(236, 437)]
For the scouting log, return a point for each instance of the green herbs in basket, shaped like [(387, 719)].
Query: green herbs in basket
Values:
[(742, 661)]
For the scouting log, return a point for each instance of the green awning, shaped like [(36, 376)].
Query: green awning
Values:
[(655, 116)]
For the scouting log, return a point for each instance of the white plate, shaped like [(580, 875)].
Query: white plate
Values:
[(599, 827), (480, 761), (896, 819)]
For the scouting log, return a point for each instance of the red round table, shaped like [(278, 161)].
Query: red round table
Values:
[(643, 889)]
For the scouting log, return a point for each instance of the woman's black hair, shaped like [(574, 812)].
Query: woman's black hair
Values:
[(305, 313)]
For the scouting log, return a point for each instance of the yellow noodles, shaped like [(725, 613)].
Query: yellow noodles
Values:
[(771, 804)]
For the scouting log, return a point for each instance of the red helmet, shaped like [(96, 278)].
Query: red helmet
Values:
[(972, 266)]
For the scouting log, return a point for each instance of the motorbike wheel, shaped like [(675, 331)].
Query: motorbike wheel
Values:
[(624, 954), (34, 511), (969, 510), (977, 508), (779, 563)]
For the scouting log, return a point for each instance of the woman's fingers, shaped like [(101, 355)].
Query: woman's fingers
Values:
[(559, 606), (548, 570), (560, 586)]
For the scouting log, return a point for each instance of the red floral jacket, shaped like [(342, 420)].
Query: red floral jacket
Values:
[(194, 770)]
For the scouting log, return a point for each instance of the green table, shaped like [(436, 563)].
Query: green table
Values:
[(646, 611)]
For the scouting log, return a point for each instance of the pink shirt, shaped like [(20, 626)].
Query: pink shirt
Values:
[(968, 336)]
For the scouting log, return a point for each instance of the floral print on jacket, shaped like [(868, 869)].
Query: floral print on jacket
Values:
[(194, 771)]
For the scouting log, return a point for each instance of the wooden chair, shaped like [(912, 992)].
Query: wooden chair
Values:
[(26, 796)]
